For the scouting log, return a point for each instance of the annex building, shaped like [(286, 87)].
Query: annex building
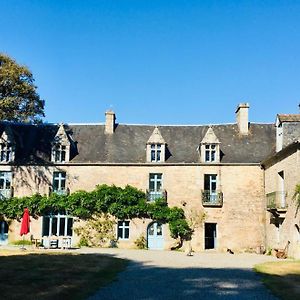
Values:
[(242, 176)]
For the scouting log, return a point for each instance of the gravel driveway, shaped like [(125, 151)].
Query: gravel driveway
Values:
[(155, 275)]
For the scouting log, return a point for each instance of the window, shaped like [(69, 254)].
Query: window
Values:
[(59, 182), (123, 230), (5, 185), (155, 186), (58, 225), (59, 153), (210, 186), (6, 152), (155, 152), (210, 153)]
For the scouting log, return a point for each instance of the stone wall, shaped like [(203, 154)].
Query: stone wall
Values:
[(240, 221), (278, 236)]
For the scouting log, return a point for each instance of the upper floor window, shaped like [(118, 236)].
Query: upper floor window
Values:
[(155, 190), (155, 152), (210, 153), (5, 185), (6, 152), (59, 182), (59, 153)]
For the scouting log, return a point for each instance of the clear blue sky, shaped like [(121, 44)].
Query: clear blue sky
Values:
[(156, 61)]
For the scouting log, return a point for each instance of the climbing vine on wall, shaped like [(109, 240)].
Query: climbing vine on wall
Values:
[(122, 203)]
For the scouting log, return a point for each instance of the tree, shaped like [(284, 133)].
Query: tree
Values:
[(19, 100)]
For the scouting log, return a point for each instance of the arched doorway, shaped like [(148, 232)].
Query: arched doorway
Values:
[(155, 239), (3, 233)]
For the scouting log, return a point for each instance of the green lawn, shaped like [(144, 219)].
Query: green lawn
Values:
[(282, 278), (37, 275)]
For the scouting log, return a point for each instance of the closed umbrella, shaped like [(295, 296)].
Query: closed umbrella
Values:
[(25, 224)]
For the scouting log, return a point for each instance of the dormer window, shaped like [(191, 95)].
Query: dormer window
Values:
[(156, 147), (59, 153), (210, 147), (7, 146), (6, 151), (61, 146), (210, 153), (155, 152)]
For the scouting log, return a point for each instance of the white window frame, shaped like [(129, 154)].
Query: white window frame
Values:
[(122, 225), (210, 153), (213, 180), (5, 190), (6, 152), (59, 153), (156, 151), (60, 177), (59, 217)]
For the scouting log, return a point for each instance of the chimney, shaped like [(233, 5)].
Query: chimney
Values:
[(110, 119), (242, 118)]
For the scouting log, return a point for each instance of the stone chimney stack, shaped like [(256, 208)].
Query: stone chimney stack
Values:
[(110, 124), (242, 118)]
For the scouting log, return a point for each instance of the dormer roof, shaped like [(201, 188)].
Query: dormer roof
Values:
[(156, 137), (61, 135), (210, 137), (7, 135), (288, 118)]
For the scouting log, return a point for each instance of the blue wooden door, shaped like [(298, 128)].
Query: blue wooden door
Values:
[(3, 233), (155, 236)]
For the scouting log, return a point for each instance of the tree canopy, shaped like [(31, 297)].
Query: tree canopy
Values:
[(19, 100)]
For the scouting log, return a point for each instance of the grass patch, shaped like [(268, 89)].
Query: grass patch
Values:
[(36, 275), (282, 278)]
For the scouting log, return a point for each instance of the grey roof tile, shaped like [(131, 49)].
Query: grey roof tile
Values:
[(128, 143)]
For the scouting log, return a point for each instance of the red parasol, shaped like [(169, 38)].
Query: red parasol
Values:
[(25, 223)]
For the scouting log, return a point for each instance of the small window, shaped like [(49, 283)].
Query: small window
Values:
[(155, 152), (6, 152), (59, 181), (210, 153), (59, 153), (123, 230), (155, 182)]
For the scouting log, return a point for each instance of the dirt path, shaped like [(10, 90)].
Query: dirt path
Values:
[(173, 275)]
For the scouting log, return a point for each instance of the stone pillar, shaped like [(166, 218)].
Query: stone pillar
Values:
[(242, 118)]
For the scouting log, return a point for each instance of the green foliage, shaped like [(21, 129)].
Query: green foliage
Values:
[(19, 100), (141, 242), (296, 195), (98, 231), (122, 203)]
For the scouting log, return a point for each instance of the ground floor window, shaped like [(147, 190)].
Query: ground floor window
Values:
[(58, 225), (123, 230)]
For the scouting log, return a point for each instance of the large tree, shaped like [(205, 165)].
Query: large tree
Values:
[(19, 100)]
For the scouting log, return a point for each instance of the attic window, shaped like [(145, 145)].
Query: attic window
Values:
[(6, 152), (156, 147), (59, 153), (155, 152), (210, 153)]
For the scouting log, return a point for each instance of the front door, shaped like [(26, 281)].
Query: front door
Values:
[(3, 233), (155, 236), (210, 235)]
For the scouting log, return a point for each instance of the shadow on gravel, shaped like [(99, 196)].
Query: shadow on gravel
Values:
[(146, 282)]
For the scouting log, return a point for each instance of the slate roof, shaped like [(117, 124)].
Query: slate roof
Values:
[(128, 143), (289, 117)]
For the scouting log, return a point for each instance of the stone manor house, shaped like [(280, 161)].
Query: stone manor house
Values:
[(241, 175)]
